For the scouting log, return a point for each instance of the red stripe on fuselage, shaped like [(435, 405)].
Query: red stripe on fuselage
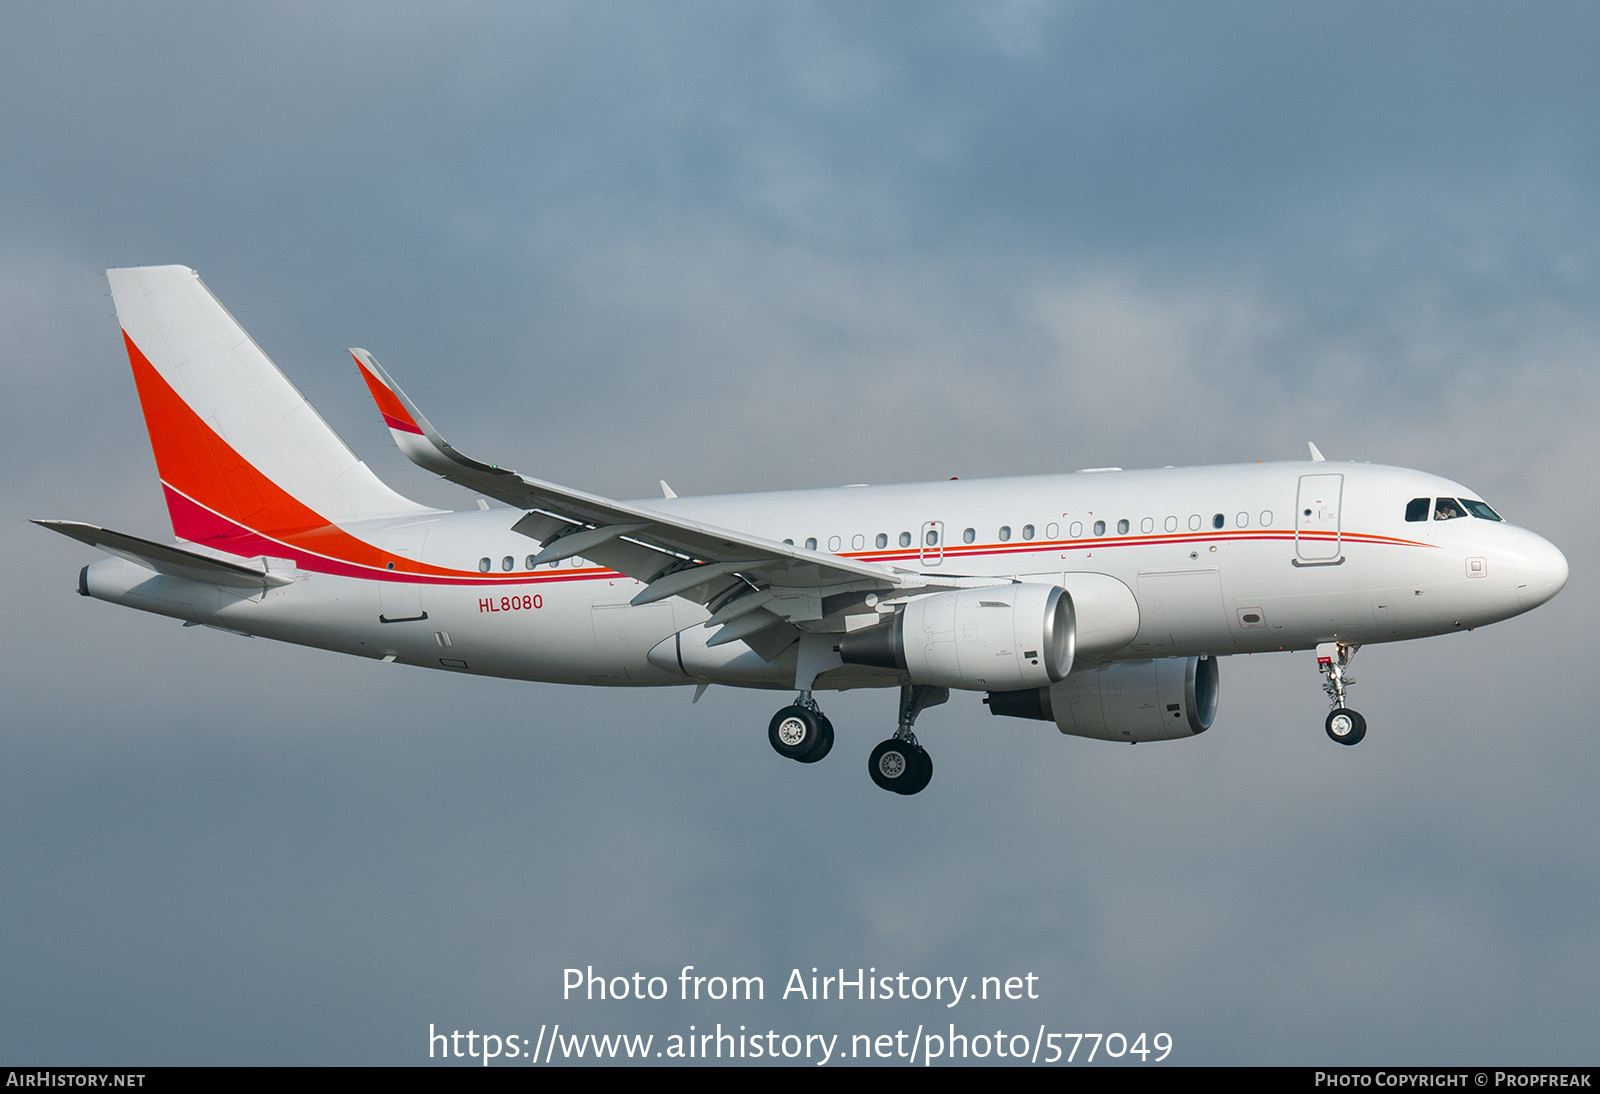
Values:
[(218, 498), (380, 566)]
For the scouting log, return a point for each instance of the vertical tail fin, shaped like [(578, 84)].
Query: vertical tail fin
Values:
[(240, 452)]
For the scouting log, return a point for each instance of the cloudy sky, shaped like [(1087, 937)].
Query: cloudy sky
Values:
[(746, 246)]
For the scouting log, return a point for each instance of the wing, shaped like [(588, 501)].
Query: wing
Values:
[(751, 582)]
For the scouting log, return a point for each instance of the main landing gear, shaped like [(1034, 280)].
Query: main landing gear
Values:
[(901, 764), (1333, 661), (802, 732)]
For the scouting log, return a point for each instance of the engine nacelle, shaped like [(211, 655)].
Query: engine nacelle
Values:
[(1000, 638), (1161, 700)]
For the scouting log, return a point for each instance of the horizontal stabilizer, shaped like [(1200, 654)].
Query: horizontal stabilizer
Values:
[(164, 559)]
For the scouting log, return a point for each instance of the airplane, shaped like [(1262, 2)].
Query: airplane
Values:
[(1099, 600)]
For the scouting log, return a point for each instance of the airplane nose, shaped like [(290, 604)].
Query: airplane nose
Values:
[(1541, 570)]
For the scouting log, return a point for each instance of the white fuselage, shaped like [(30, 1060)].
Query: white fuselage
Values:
[(1160, 563)]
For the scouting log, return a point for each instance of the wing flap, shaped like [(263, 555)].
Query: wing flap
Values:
[(673, 555)]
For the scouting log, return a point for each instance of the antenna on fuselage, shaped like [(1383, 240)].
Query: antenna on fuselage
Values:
[(1316, 456)]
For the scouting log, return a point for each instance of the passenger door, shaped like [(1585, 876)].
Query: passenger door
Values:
[(1316, 518)]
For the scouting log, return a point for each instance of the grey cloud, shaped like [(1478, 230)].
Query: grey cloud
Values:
[(740, 249)]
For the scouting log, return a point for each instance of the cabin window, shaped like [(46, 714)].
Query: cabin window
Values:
[(858, 542), (969, 535), (1242, 520), (1148, 524), (1417, 509), (1099, 527), (834, 543), (508, 564), (1122, 527), (905, 539), (1447, 509), (1052, 531), (528, 562), (484, 565), (1218, 521), (811, 543), (1266, 518), (1005, 533), (932, 537), (1194, 522), (1027, 531), (1172, 524), (882, 540), (1076, 530), (789, 542)]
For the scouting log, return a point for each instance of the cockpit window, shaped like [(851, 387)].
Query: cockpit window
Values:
[(1417, 509), (1479, 509), (1447, 509)]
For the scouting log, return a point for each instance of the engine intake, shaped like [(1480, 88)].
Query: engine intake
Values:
[(1000, 638)]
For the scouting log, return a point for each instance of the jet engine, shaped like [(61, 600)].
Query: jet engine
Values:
[(1160, 700), (1001, 638)]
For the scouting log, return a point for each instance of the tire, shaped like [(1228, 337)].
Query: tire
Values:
[(897, 766), (924, 773), (1346, 726), (795, 732), (824, 743)]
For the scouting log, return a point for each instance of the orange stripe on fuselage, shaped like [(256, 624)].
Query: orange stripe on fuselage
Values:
[(201, 466)]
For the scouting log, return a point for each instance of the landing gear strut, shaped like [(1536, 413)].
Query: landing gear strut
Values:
[(801, 732), (1333, 661), (901, 764)]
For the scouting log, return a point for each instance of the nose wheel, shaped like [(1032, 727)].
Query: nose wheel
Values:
[(1346, 726), (1333, 661)]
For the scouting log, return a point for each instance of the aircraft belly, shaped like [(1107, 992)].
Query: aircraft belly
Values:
[(492, 630), (543, 632), (1308, 618), (624, 635), (1182, 611)]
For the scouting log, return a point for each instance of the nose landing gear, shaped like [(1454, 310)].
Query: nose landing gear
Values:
[(1346, 726), (1333, 661)]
